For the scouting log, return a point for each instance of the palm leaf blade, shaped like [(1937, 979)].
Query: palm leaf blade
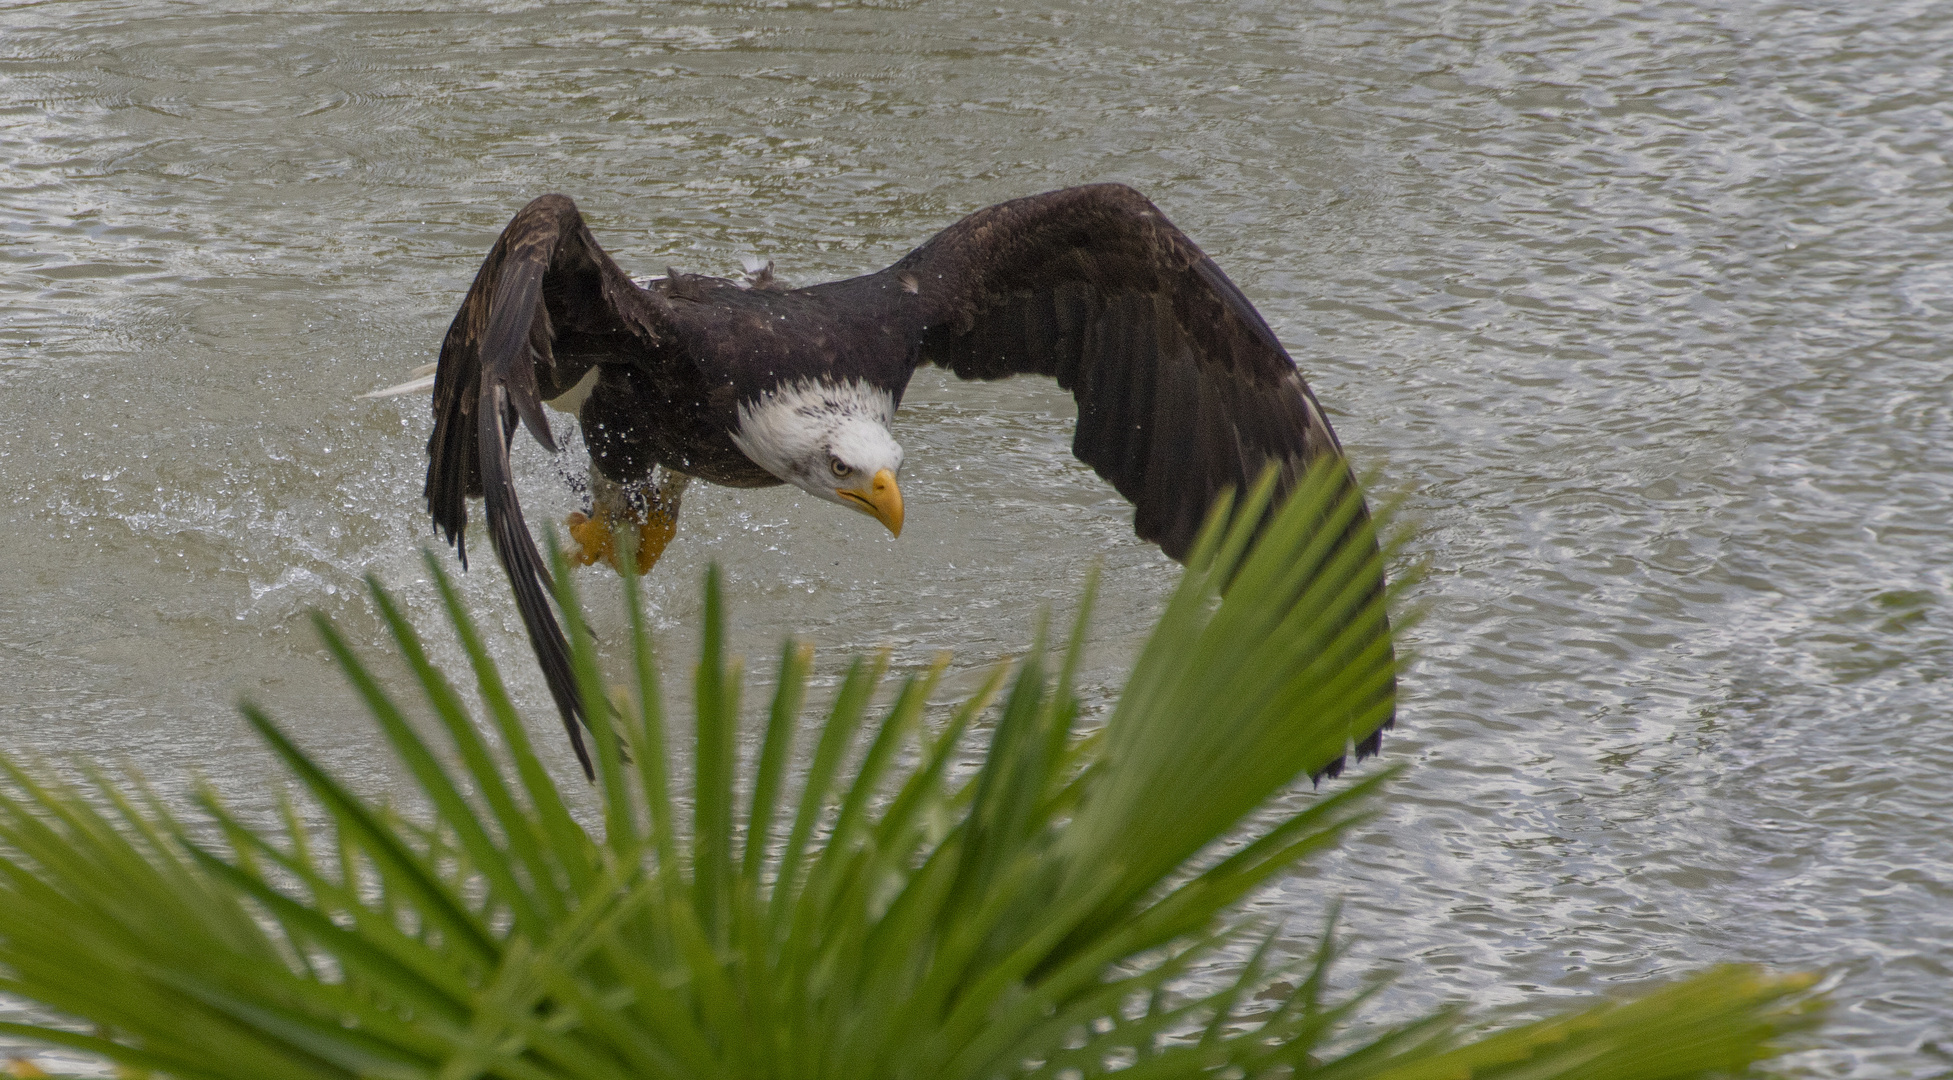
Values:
[(1037, 915)]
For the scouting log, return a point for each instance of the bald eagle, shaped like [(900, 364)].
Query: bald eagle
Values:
[(1183, 392)]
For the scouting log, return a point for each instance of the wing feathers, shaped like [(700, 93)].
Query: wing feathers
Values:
[(518, 335), (1141, 350), (517, 550), (1073, 310), (544, 280), (1183, 390)]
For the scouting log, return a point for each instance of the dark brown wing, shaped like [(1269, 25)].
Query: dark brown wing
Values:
[(1183, 391), (544, 286)]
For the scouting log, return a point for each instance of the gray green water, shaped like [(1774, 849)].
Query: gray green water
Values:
[(1641, 304)]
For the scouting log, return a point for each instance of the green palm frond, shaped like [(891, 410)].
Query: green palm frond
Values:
[(1056, 911)]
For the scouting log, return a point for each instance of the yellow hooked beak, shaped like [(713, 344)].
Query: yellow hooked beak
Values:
[(879, 499)]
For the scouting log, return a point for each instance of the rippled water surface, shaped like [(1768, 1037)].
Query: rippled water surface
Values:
[(1642, 304)]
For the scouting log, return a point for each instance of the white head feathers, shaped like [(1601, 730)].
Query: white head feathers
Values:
[(816, 435)]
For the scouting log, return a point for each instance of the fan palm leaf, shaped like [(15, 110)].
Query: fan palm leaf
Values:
[(1060, 909)]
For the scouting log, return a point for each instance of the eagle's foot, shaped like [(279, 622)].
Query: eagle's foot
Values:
[(653, 534), (596, 539), (593, 538), (640, 519)]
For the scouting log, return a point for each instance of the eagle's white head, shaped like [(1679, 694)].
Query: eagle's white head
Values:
[(831, 440)]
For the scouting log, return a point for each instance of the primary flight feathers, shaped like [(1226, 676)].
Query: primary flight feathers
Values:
[(1183, 392)]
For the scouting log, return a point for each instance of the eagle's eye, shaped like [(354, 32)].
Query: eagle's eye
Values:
[(839, 468)]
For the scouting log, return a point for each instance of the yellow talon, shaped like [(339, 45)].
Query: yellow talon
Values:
[(593, 540), (596, 542), (23, 1069), (652, 536)]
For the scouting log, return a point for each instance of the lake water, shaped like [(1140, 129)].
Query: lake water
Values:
[(1642, 306)]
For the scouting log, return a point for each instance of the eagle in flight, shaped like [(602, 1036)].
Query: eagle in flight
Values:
[(1183, 391)]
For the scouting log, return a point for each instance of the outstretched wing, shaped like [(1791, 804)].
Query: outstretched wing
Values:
[(547, 303), (1183, 391)]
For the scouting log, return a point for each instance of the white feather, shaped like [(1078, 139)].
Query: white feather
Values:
[(423, 380), (795, 429), (571, 400)]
